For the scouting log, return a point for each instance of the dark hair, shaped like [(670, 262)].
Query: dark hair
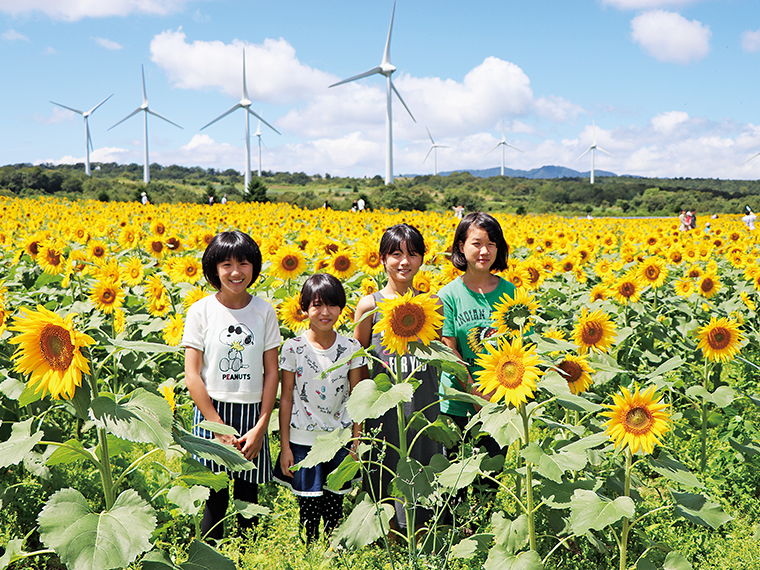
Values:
[(230, 245), (487, 223), (398, 234), (324, 288)]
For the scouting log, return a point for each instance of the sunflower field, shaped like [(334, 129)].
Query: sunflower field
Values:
[(624, 376)]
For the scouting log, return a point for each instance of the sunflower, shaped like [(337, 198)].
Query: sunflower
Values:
[(368, 286), (421, 282), (98, 250), (49, 351), (119, 320), (107, 296), (173, 329), (709, 285), (368, 257), (577, 372), (341, 264), (627, 289), (684, 287), (195, 294), (129, 237), (133, 272), (185, 269), (109, 271), (408, 318), (3, 318), (155, 246), (292, 316), (720, 339), (653, 271), (694, 272), (50, 258), (509, 371), (636, 420), (154, 288), (168, 393), (288, 262), (594, 331), (509, 309), (158, 227), (535, 273), (159, 306), (747, 300), (599, 292)]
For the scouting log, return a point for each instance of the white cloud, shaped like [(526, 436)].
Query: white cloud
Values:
[(72, 10), (58, 115), (751, 41), (667, 122), (273, 71), (670, 37), (13, 36), (50, 51), (108, 44), (557, 109), (646, 4)]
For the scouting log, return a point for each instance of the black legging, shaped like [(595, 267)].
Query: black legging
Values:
[(217, 503), (328, 507)]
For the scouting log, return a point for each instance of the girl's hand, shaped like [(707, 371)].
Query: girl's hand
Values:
[(250, 443), (286, 461), (227, 440)]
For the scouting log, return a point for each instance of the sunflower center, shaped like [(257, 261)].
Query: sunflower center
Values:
[(533, 275), (173, 243), (719, 338), (160, 229), (407, 320), (707, 285), (592, 333), (56, 347), (331, 248), (571, 370), (652, 272), (627, 289), (157, 246), (108, 296), (342, 263), (290, 262), (98, 251), (191, 270), (676, 257), (638, 420), (510, 374), (373, 260)]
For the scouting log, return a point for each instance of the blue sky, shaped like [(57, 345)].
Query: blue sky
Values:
[(671, 86)]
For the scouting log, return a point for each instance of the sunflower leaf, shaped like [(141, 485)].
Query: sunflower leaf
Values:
[(221, 429), (325, 447), (12, 388), (85, 540), (21, 442), (699, 510), (250, 510), (559, 495), (193, 473), (590, 511), (676, 561), (502, 423), (200, 556), (667, 466), (553, 466), (748, 449), (440, 356), (69, 452), (413, 480), (343, 473), (367, 401), (500, 558), (461, 473), (30, 395), (225, 455), (512, 535), (665, 367), (143, 417), (190, 501), (469, 547), (722, 397), (366, 523)]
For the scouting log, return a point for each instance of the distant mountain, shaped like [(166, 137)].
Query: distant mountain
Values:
[(543, 172)]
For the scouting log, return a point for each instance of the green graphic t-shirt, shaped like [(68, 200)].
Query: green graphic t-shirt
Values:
[(467, 318)]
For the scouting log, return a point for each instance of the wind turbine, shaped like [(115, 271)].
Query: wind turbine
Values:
[(245, 103), (751, 157), (144, 107), (503, 144), (385, 68), (87, 137), (593, 148), (258, 134), (434, 149)]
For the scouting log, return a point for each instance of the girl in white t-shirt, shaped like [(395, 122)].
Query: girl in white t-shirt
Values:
[(231, 340), (313, 402)]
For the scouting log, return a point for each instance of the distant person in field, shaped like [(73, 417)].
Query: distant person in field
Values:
[(693, 220), (224, 199), (749, 218), (360, 204), (458, 211), (210, 200), (144, 199), (683, 218)]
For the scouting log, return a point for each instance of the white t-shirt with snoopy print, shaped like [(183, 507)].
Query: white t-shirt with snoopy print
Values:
[(319, 403), (233, 342)]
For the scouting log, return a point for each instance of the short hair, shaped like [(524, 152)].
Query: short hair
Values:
[(230, 245), (487, 223), (402, 233), (324, 288)]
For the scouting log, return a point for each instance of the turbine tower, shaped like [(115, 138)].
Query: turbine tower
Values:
[(385, 68), (258, 135), (87, 137), (503, 144), (434, 149), (245, 104), (146, 110), (593, 148)]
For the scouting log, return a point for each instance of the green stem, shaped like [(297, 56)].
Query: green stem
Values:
[(703, 435), (626, 527), (106, 476), (529, 481), (403, 455)]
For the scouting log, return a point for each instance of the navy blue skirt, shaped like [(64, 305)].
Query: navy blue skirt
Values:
[(242, 417), (311, 481)]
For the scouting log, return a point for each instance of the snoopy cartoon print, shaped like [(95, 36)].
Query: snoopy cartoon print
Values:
[(237, 337)]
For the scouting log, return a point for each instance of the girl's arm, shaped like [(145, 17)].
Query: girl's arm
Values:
[(253, 439), (199, 394), (286, 409), (354, 377), (470, 388), (363, 331)]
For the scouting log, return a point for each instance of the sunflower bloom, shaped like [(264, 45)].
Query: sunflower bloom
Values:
[(368, 257), (50, 351), (653, 271), (594, 331), (627, 289), (709, 285), (288, 262), (195, 294), (421, 282), (173, 329), (720, 339), (292, 316), (107, 296), (576, 372), (684, 287), (341, 265), (186, 269), (636, 420), (509, 309), (133, 272), (509, 371), (51, 260), (368, 286), (408, 318), (168, 393), (599, 292)]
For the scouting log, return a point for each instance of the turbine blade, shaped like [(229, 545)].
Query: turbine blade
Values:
[(69, 108), (372, 71), (87, 129), (494, 148), (428, 154), (127, 117), (145, 96), (91, 111), (387, 52), (245, 85), (751, 157), (402, 100), (164, 118), (585, 153), (431, 136), (263, 121), (222, 115), (512, 146), (604, 151)]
